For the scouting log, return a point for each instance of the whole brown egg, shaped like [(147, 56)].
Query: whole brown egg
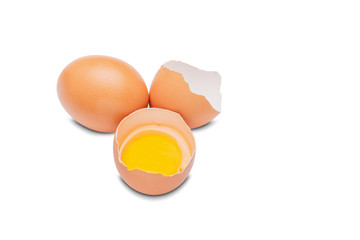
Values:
[(99, 91)]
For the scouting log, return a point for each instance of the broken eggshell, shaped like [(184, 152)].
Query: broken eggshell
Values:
[(148, 182), (189, 91)]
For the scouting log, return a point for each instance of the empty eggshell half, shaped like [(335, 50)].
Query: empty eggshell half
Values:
[(189, 91), (160, 120)]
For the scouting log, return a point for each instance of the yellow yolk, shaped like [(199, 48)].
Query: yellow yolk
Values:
[(152, 152)]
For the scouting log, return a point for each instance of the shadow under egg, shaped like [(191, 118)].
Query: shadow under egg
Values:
[(147, 196)]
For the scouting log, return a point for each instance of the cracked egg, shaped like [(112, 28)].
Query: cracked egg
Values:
[(153, 150), (189, 91)]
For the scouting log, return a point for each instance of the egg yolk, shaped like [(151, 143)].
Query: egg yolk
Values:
[(153, 152)]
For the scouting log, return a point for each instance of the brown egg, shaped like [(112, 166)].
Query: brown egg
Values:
[(137, 174), (99, 91), (191, 92)]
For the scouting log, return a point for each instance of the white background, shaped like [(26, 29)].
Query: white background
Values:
[(280, 162)]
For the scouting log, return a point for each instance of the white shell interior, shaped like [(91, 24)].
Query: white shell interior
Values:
[(205, 83)]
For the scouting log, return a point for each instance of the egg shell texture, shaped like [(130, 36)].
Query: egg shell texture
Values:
[(98, 91)]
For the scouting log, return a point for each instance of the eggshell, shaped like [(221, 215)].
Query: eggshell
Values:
[(99, 91), (147, 182), (191, 92)]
